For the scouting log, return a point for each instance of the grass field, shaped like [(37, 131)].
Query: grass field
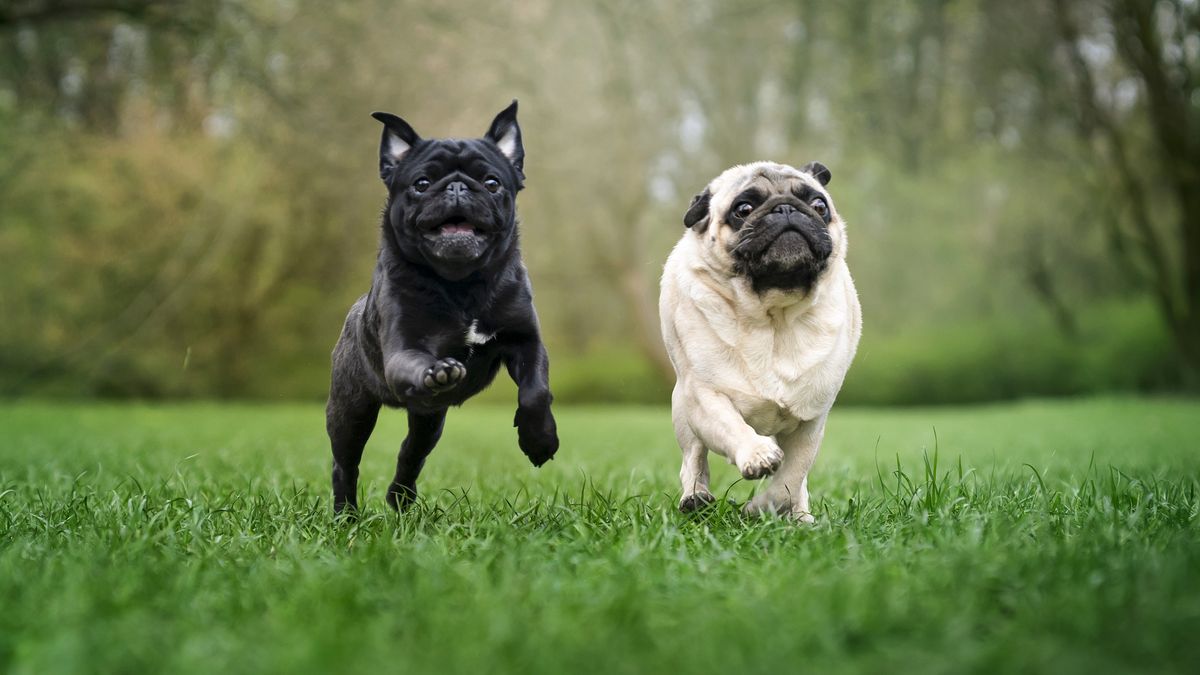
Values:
[(1041, 536)]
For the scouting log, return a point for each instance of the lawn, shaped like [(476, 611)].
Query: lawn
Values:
[(1041, 536)]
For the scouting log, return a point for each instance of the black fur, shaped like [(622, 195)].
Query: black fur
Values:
[(448, 260), (697, 213), (818, 171)]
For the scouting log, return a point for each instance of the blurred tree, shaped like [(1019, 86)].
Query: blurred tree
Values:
[(32, 12), (82, 58), (188, 200), (1158, 47)]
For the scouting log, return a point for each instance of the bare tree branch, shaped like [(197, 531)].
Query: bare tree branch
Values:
[(1095, 120), (49, 11)]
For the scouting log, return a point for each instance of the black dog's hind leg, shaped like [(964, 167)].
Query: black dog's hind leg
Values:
[(349, 420), (424, 431), (537, 433)]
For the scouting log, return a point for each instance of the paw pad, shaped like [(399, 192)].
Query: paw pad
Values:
[(443, 375)]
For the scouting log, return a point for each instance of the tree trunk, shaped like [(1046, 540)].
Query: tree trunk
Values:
[(1172, 122), (1175, 280)]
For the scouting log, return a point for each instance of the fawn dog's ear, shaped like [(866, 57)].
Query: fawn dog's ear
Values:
[(697, 213), (818, 171)]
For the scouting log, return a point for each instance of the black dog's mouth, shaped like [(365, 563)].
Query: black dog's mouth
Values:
[(454, 227), (456, 241)]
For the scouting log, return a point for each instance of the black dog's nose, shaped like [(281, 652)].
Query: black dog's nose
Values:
[(457, 190), (784, 209)]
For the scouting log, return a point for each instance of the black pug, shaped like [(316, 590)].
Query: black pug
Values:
[(449, 301)]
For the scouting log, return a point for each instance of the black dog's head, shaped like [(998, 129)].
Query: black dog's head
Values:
[(452, 202), (772, 223)]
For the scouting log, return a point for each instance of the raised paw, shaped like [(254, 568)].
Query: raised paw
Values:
[(443, 375), (760, 461), (696, 502)]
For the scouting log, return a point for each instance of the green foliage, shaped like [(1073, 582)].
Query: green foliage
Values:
[(608, 376), (171, 266), (164, 266), (189, 199), (1119, 347), (1037, 537)]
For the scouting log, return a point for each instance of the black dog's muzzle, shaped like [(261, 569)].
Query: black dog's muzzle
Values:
[(453, 205), (457, 192)]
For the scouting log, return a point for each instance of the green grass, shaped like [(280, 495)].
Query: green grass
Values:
[(1041, 536)]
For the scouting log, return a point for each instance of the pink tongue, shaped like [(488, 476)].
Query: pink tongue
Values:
[(457, 229)]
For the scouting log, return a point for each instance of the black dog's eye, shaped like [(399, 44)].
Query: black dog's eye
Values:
[(819, 206), (421, 185), (491, 184), (743, 209)]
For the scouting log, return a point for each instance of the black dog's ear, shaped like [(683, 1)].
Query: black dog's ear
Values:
[(506, 134), (697, 214), (818, 171), (398, 138)]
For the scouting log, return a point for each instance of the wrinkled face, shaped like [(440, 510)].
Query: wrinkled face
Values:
[(771, 223), (452, 203)]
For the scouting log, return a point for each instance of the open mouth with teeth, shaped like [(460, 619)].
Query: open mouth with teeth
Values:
[(456, 240), (454, 226)]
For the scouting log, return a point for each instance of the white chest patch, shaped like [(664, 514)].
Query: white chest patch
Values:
[(474, 337)]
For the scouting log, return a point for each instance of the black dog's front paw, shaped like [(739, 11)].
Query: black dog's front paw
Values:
[(537, 434), (443, 375)]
